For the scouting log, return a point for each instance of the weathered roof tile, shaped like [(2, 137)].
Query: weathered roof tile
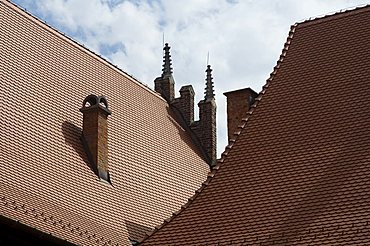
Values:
[(153, 163)]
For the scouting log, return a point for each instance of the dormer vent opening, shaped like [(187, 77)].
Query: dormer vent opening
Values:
[(95, 134)]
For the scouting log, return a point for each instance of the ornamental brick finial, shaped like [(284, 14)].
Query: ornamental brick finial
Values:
[(209, 91), (167, 68)]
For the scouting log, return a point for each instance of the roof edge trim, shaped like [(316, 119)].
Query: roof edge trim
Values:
[(228, 148), (334, 15)]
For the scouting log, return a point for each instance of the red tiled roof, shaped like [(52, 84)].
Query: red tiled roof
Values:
[(298, 172), (46, 182)]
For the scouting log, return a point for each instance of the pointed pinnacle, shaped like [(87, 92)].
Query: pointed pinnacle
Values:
[(167, 69), (209, 91)]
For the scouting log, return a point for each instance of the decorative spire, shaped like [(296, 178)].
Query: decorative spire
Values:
[(167, 69), (209, 91)]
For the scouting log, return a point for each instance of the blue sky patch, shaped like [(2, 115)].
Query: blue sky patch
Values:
[(109, 49)]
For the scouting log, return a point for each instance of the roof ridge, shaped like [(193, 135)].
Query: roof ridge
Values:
[(334, 14), (81, 46), (22, 208), (228, 148)]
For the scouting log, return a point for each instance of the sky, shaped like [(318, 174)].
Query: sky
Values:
[(243, 38)]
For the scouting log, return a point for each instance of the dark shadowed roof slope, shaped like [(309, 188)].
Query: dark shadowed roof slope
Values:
[(46, 182), (298, 173)]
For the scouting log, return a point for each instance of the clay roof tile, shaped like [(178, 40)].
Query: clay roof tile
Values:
[(295, 173), (46, 167)]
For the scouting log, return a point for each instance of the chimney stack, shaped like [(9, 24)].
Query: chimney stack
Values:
[(185, 103), (238, 104), (95, 133)]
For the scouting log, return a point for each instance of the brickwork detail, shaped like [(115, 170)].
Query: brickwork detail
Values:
[(95, 133), (185, 103), (205, 128), (238, 104), (166, 87)]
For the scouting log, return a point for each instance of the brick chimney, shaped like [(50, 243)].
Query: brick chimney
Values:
[(205, 128), (185, 103), (95, 133), (238, 104), (165, 85)]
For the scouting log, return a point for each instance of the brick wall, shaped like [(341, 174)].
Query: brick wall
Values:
[(185, 103), (165, 85), (205, 128)]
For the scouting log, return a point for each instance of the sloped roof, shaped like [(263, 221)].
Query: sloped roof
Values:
[(46, 182), (298, 172)]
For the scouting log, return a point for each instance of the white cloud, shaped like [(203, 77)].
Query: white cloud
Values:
[(244, 38)]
